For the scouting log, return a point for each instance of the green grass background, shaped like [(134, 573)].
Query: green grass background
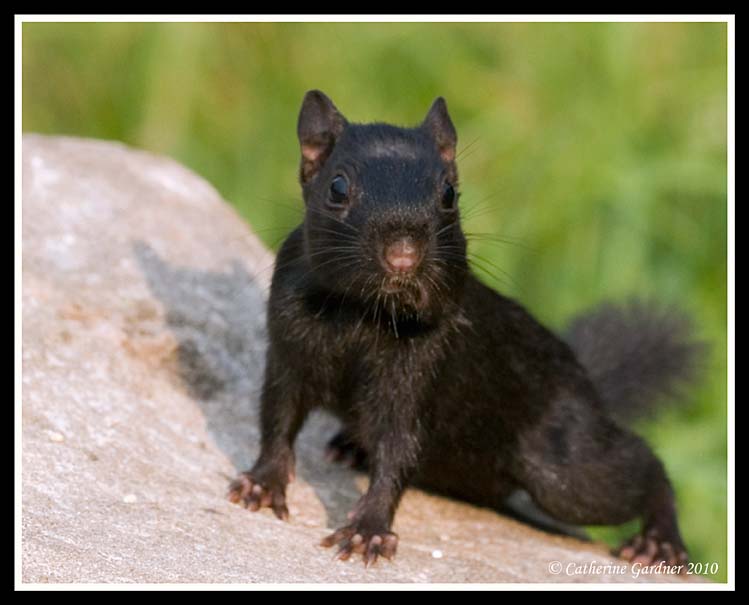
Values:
[(598, 151)]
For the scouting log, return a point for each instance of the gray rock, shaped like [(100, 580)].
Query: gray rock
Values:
[(143, 343)]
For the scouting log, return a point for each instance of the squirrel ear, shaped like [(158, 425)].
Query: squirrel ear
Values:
[(319, 126), (439, 124)]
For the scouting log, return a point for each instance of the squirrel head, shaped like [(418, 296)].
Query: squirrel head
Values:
[(382, 221)]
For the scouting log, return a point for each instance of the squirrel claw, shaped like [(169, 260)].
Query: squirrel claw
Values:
[(649, 549), (253, 495), (371, 546)]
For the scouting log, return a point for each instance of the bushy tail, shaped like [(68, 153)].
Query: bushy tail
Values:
[(638, 355)]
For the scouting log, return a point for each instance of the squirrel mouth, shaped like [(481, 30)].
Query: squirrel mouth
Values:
[(407, 290), (393, 285), (396, 283)]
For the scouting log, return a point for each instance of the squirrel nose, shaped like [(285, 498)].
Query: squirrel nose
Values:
[(402, 255)]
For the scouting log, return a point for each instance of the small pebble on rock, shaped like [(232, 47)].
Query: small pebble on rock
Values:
[(55, 436)]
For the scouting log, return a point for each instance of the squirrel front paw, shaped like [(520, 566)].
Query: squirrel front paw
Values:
[(364, 539), (253, 491)]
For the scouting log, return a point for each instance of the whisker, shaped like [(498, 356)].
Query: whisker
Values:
[(468, 155), (393, 318), (332, 217), (497, 239), (466, 148), (509, 281), (350, 237)]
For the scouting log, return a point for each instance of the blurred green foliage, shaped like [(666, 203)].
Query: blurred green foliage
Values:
[(597, 151)]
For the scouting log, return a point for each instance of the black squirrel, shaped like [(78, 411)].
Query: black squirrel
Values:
[(439, 380)]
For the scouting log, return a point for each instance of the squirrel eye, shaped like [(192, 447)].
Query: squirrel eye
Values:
[(339, 190), (448, 197)]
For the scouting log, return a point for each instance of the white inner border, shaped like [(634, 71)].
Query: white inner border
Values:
[(731, 59)]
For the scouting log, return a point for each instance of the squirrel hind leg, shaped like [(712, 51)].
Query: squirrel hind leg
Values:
[(343, 449), (660, 539), (609, 477)]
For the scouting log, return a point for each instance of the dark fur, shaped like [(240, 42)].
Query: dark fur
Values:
[(439, 379)]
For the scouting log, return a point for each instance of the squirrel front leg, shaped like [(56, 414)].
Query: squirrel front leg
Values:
[(282, 414), (369, 531), (390, 423)]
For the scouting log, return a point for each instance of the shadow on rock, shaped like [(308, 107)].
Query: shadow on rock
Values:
[(218, 319)]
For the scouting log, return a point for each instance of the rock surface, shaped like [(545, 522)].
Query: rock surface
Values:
[(143, 342)]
